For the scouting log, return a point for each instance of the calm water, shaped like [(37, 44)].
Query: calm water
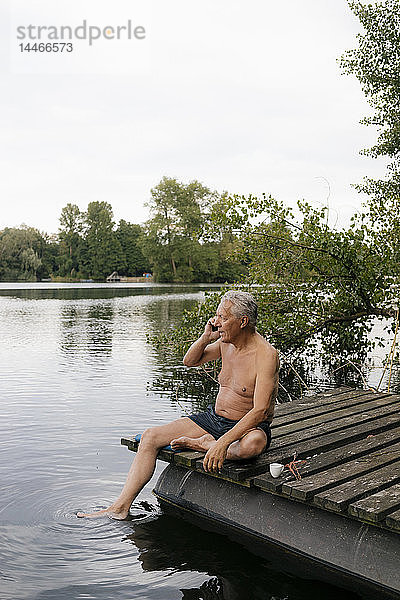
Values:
[(77, 373)]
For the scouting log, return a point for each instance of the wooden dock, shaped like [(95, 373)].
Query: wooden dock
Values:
[(350, 442), (347, 444)]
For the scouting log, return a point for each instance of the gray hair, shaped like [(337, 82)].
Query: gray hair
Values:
[(243, 305)]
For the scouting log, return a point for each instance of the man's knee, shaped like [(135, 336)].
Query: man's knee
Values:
[(150, 438), (252, 444)]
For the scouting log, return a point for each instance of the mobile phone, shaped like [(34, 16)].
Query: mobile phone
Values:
[(214, 327)]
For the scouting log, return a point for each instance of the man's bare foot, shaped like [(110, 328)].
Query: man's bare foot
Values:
[(112, 512), (201, 444)]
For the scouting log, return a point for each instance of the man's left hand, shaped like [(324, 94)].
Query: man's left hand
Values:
[(215, 456)]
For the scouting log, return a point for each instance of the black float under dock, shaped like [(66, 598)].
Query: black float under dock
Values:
[(343, 514)]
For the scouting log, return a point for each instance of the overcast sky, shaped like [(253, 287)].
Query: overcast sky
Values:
[(244, 96)]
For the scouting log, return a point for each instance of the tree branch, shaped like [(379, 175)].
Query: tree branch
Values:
[(377, 312)]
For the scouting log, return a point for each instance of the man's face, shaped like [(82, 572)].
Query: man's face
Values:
[(228, 325)]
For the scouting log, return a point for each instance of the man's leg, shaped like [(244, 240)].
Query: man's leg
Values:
[(250, 445), (200, 444), (144, 462)]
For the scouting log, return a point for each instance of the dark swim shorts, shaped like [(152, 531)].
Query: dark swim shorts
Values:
[(217, 425)]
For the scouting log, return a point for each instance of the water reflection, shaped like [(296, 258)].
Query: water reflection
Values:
[(86, 328), (82, 291), (190, 389), (232, 572)]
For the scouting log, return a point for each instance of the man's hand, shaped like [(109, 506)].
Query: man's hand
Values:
[(215, 456), (206, 348), (208, 331)]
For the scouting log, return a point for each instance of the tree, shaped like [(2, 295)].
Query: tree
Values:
[(173, 233), (104, 253), (30, 262), (130, 237), (49, 254), (316, 286), (70, 236), (376, 64), (181, 242), (21, 252)]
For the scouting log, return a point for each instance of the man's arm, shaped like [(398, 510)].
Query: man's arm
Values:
[(267, 372), (206, 348)]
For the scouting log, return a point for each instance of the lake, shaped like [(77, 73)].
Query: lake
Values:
[(77, 372)]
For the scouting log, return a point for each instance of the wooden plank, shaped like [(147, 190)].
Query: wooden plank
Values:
[(334, 415), (241, 470), (182, 457), (294, 409), (307, 448), (322, 399), (319, 463), (310, 486), (393, 520), (165, 455), (338, 498), (228, 473), (317, 396), (332, 408), (376, 507), (341, 426), (130, 442), (188, 459)]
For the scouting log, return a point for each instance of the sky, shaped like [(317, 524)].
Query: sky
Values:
[(244, 97)]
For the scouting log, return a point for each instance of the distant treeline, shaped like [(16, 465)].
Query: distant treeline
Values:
[(177, 244)]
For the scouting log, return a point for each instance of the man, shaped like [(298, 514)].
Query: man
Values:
[(238, 426)]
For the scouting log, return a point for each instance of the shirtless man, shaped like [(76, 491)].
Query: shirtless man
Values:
[(238, 427)]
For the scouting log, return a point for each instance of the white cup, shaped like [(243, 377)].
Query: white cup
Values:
[(276, 469)]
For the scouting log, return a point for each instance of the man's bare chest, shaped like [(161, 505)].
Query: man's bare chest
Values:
[(239, 375)]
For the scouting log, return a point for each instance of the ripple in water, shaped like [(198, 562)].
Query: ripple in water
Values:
[(59, 547)]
